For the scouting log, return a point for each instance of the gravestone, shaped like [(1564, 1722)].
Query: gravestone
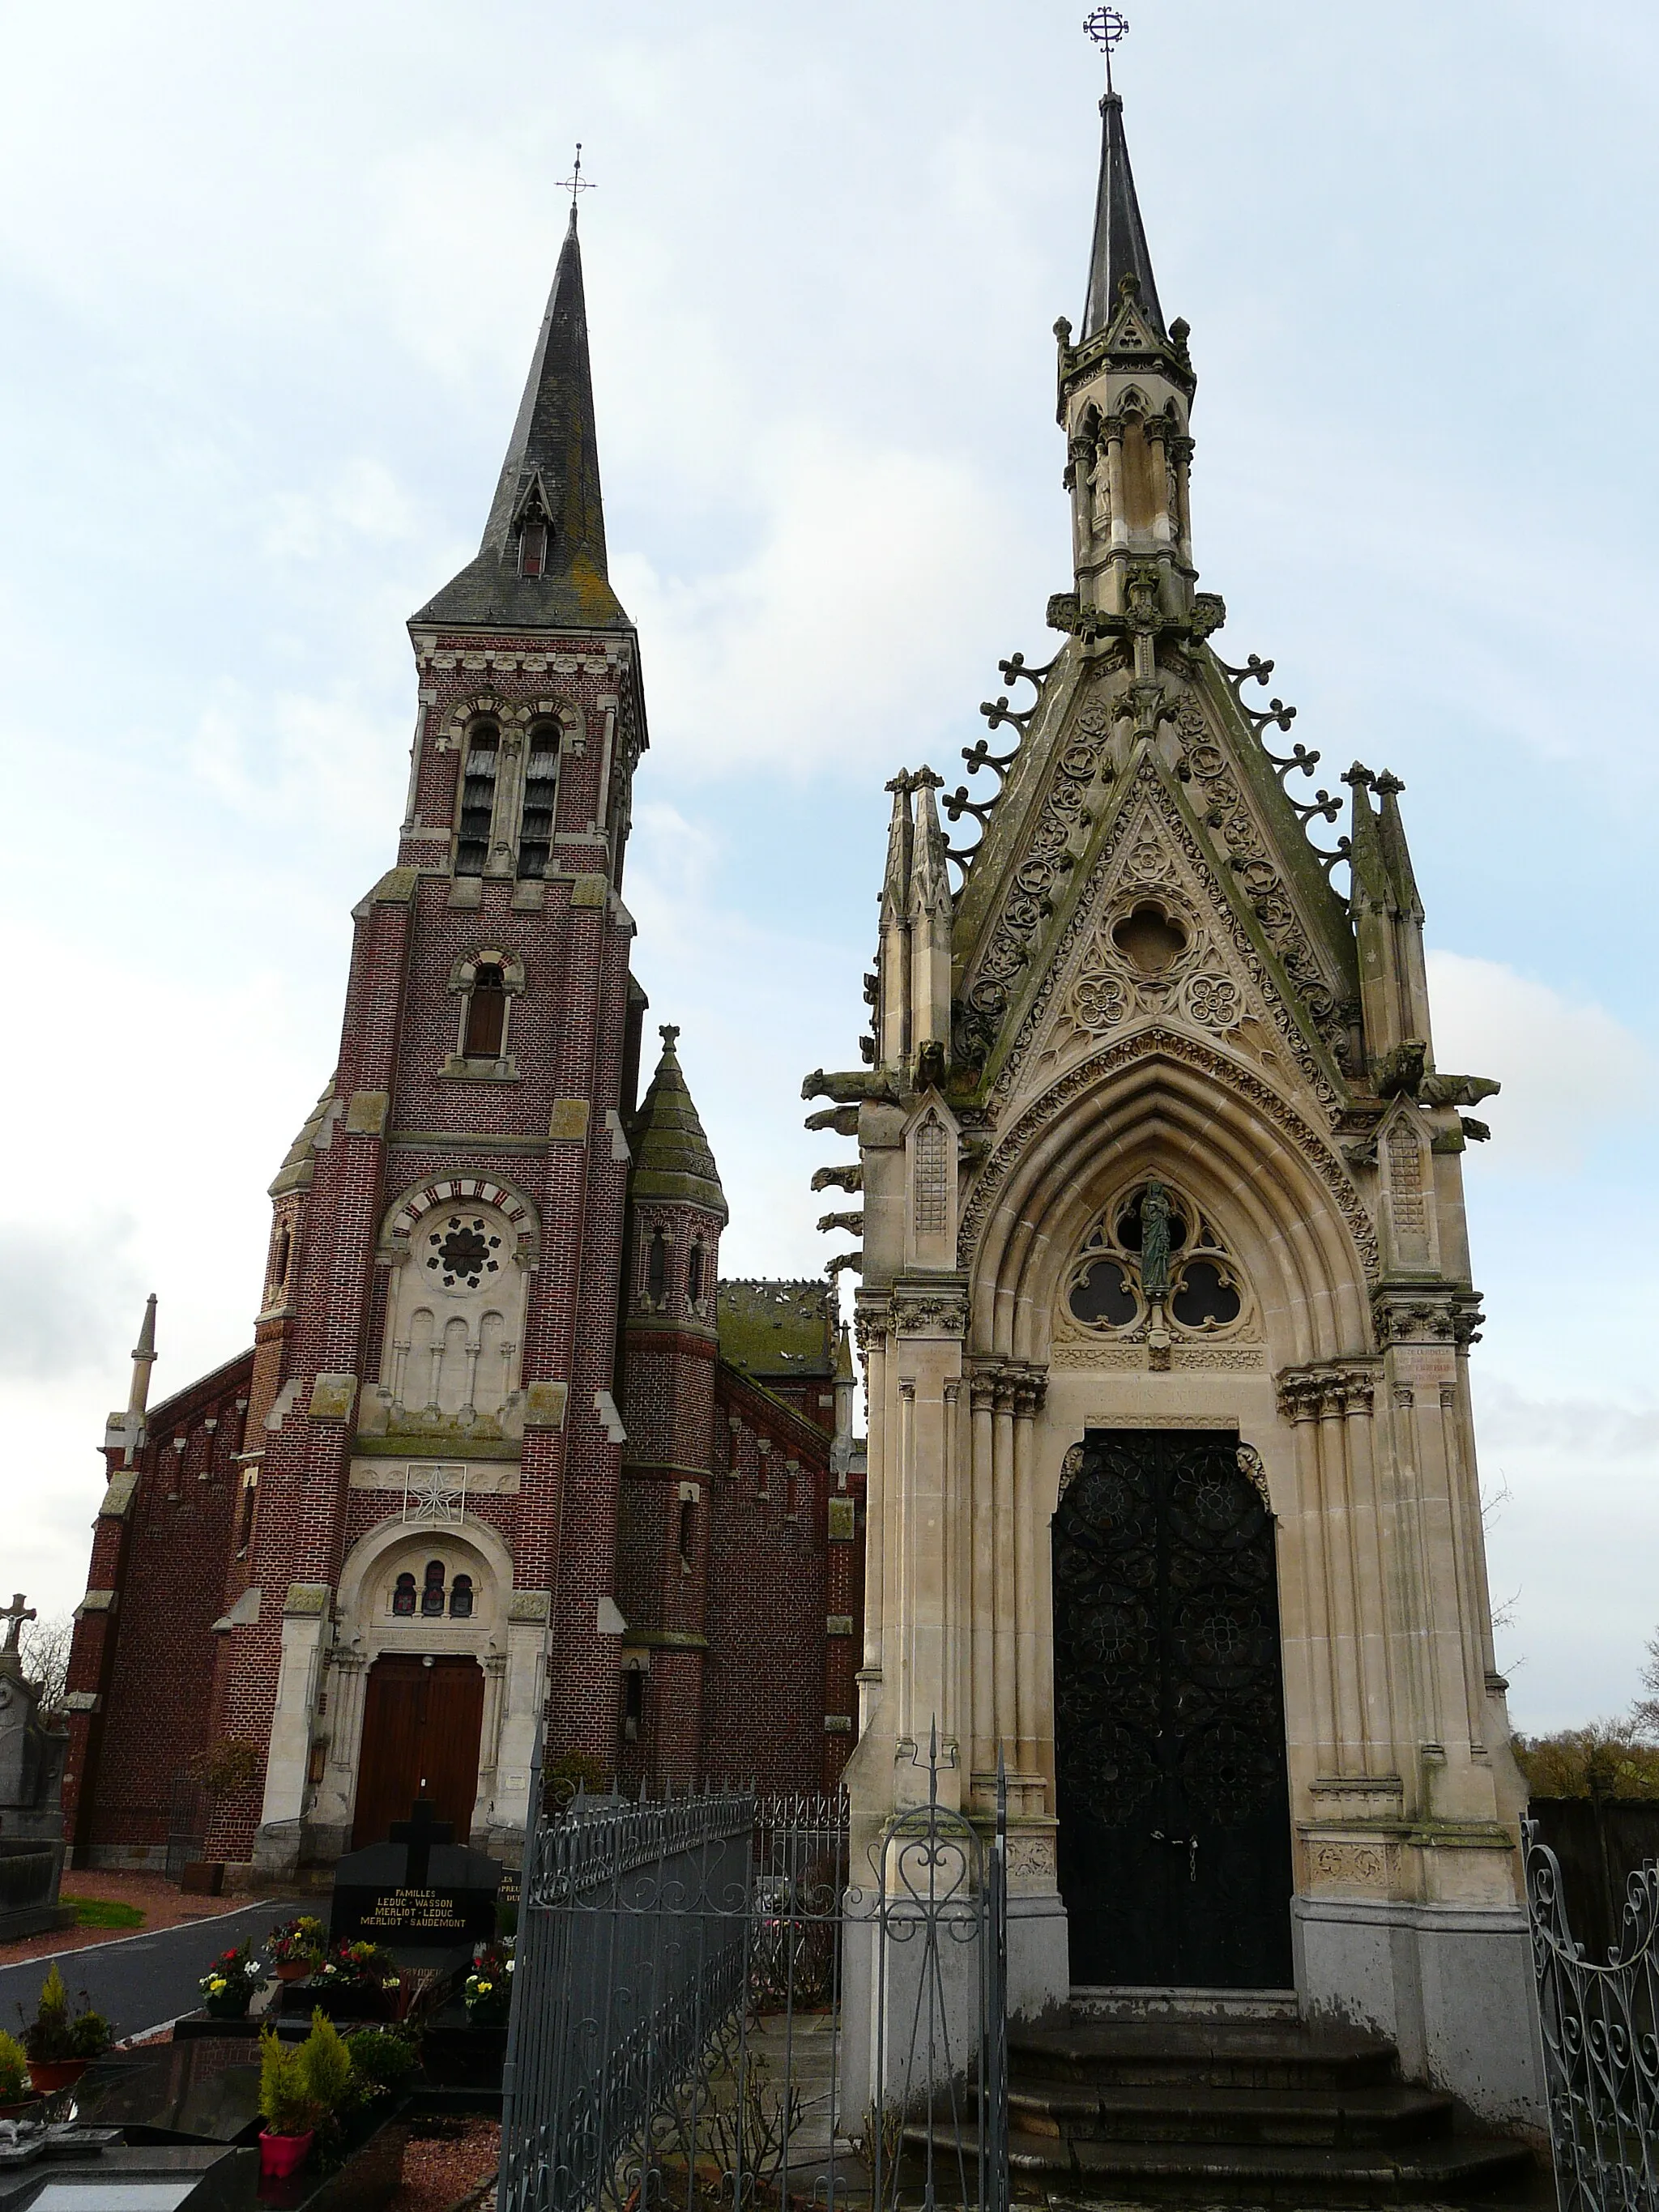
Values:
[(420, 1893), (31, 1797)]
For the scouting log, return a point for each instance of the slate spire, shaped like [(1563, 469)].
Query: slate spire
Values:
[(673, 1160), (1119, 246), (541, 564)]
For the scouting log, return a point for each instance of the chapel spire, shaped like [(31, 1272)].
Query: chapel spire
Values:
[(1120, 247), (541, 564)]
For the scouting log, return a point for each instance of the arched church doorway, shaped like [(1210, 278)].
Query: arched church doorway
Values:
[(423, 1718), (1173, 1798)]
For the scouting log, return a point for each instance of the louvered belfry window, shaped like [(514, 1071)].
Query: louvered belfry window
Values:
[(541, 784), (486, 1014), (484, 749)]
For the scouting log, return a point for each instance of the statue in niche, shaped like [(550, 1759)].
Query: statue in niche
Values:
[(1155, 1244)]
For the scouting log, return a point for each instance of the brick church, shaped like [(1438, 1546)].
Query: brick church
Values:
[(504, 1444)]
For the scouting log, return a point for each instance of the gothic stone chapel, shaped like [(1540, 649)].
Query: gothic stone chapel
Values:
[(1166, 1314), (1170, 1511)]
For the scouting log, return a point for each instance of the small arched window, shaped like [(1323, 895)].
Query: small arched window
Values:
[(532, 546), (694, 1276), (656, 1267), (484, 749), (403, 1594), (284, 1247), (486, 1014), (461, 1598), (432, 1597), (541, 784)]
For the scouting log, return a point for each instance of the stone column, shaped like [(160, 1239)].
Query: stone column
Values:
[(347, 1676), (522, 1692), (1336, 1526), (1033, 1664), (870, 1325), (1007, 1647), (304, 1637), (982, 1394)]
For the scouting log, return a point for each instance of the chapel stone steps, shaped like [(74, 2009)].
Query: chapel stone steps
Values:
[(1211, 2111)]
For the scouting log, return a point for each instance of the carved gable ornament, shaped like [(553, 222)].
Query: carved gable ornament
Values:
[(1155, 942)]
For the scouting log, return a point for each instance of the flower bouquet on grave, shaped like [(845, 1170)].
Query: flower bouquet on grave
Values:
[(229, 1982), (356, 1981), (295, 1947), (61, 2047), (489, 1991)]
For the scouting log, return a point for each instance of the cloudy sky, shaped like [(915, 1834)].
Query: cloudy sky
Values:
[(269, 279)]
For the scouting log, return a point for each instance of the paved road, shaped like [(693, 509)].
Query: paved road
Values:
[(139, 1981)]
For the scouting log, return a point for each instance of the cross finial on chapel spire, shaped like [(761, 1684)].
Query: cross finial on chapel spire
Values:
[(1107, 27), (669, 1032)]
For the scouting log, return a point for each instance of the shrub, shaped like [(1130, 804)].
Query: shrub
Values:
[(381, 2059), (52, 2034), (1605, 1760), (14, 2069), (325, 2066), (233, 1763), (286, 2104)]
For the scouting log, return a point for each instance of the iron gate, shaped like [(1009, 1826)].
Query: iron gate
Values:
[(1600, 2030), (708, 2015)]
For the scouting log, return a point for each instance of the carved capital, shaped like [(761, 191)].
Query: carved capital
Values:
[(930, 1313), (1430, 1314), (1327, 1389)]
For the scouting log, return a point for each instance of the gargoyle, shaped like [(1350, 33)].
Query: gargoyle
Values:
[(1401, 1069), (843, 1119), (849, 1178), (852, 1222), (1458, 1089), (848, 1087), (842, 1261)]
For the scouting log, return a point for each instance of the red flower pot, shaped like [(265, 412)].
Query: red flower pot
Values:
[(16, 2112), (291, 1970), (282, 2155), (48, 2076)]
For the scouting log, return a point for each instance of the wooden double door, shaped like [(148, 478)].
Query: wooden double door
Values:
[(1173, 1802), (422, 1722)]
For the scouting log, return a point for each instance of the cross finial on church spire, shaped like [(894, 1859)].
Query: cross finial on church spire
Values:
[(575, 182), (1107, 27), (669, 1032)]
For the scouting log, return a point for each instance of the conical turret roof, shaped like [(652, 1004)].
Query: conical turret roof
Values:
[(550, 474), (1120, 247), (673, 1160)]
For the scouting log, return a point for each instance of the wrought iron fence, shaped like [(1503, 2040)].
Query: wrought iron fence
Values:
[(709, 2015), (1601, 2033)]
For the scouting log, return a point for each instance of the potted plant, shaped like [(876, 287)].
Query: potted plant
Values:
[(356, 1981), (13, 2077), (60, 2048), (489, 1991), (229, 1985), (287, 2107), (296, 1947), (382, 2060)]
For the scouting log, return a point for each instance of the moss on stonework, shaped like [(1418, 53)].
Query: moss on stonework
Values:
[(784, 1328)]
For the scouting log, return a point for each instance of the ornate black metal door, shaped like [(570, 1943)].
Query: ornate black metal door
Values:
[(1175, 1837)]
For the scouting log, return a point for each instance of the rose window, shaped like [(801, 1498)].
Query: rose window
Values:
[(463, 1252), (1153, 1248)]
